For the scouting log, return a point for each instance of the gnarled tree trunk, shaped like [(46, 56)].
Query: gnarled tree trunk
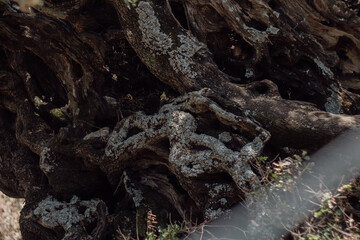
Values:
[(113, 108)]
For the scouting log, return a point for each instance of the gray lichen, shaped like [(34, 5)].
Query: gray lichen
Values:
[(261, 36), (249, 73), (47, 164), (257, 36), (177, 123), (152, 35), (134, 193), (225, 137), (211, 214), (52, 213), (180, 57), (218, 189), (333, 102), (272, 30), (324, 70)]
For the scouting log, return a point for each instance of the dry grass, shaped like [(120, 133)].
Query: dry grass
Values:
[(9, 217)]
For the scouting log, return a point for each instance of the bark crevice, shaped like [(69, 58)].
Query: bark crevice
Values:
[(130, 103)]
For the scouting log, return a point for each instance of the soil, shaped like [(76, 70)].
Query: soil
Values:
[(9, 217)]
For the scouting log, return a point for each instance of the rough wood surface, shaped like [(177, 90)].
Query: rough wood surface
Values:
[(128, 104)]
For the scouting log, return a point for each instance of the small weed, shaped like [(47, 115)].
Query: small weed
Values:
[(164, 98), (331, 221), (346, 188), (327, 205), (133, 3), (155, 232), (170, 233), (262, 159), (303, 157)]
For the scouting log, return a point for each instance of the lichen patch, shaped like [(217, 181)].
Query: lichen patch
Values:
[(192, 154), (52, 213), (152, 35), (249, 73), (324, 70), (180, 57), (47, 164), (134, 193), (333, 102)]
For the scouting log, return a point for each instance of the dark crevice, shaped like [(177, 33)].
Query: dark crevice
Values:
[(179, 13), (296, 74), (145, 88), (342, 54), (230, 52), (93, 12), (273, 4), (45, 79), (328, 23), (3, 60), (344, 43), (151, 182), (356, 91), (105, 191), (257, 25), (214, 178), (164, 144), (77, 70), (199, 148), (133, 131), (260, 88), (219, 178)]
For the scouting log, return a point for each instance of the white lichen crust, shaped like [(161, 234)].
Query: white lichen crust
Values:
[(47, 162), (152, 36), (192, 153), (134, 193), (181, 57), (52, 213), (180, 54), (334, 101)]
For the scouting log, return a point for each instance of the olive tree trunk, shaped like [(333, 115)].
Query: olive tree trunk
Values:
[(112, 110)]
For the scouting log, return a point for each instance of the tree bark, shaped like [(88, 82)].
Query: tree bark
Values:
[(109, 108)]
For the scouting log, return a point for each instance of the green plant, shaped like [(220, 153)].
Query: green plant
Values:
[(262, 159), (326, 206), (346, 188), (132, 2), (155, 232), (303, 157), (164, 98), (170, 233), (58, 113)]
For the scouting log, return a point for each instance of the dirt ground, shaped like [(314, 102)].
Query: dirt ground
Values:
[(9, 217)]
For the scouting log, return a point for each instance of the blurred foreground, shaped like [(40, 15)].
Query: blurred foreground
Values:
[(9, 217)]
